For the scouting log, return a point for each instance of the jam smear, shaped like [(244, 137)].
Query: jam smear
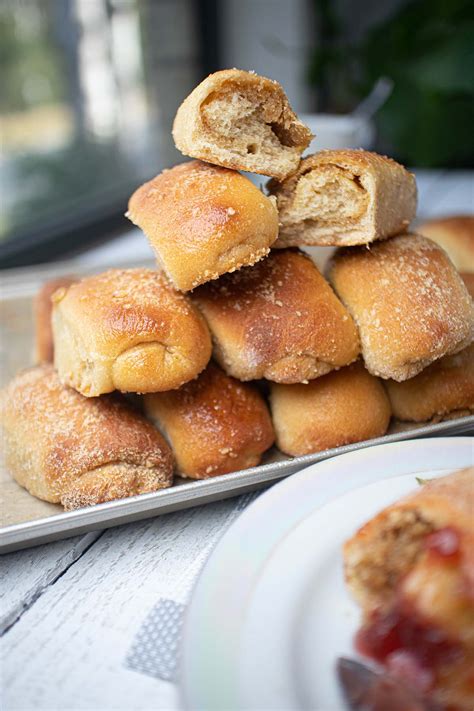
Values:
[(408, 645)]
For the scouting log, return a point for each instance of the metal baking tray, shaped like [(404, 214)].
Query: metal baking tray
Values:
[(27, 521)]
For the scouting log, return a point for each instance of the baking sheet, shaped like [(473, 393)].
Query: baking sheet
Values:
[(27, 521)]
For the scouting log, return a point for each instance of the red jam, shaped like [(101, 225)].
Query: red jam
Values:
[(407, 645)]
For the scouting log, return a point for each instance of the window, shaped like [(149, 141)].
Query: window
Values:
[(90, 89)]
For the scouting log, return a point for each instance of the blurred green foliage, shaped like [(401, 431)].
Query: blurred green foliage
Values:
[(427, 48), (28, 57)]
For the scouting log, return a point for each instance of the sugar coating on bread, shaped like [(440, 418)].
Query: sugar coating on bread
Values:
[(456, 235), (241, 120), (203, 221), (128, 330), (408, 301), (345, 406), (444, 387), (278, 320), (344, 197), (63, 447), (214, 424), (42, 308)]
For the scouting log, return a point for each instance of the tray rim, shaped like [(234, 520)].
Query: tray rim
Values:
[(121, 511)]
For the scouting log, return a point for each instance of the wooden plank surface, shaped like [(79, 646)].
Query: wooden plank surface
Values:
[(27, 574), (67, 650)]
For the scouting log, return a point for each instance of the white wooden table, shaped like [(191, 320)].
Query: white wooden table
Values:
[(70, 611)]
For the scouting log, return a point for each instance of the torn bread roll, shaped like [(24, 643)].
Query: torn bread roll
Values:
[(203, 221), (411, 568), (445, 388), (456, 235), (214, 424), (346, 197), (278, 320), (77, 451), (128, 330), (345, 406), (241, 120), (42, 310), (408, 301)]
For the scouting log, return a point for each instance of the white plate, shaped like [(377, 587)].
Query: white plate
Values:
[(270, 613)]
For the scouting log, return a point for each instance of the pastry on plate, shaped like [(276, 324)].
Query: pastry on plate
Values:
[(42, 307), (214, 424), (241, 120), (411, 569), (408, 301), (203, 221), (345, 406), (77, 451), (456, 235), (128, 330), (346, 197), (278, 320), (444, 389)]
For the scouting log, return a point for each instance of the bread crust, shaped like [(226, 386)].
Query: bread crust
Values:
[(85, 450), (387, 564), (42, 310), (345, 406), (128, 330), (278, 320), (344, 197), (445, 387), (456, 235), (197, 135), (203, 221), (214, 424), (408, 301)]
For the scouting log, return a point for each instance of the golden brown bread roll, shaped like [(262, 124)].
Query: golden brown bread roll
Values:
[(468, 279), (42, 307), (348, 405), (203, 221), (278, 320), (445, 387), (408, 301), (127, 329), (344, 198), (77, 451), (214, 424), (411, 568), (240, 120), (456, 235)]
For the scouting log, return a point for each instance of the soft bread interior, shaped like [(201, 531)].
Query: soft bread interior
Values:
[(328, 195), (373, 570), (250, 123)]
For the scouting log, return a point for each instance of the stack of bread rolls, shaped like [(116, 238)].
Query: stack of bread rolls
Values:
[(236, 300)]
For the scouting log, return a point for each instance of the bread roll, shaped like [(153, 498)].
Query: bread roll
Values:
[(348, 405), (344, 198), (278, 320), (126, 329), (444, 388), (468, 279), (214, 424), (456, 235), (77, 451), (409, 302), (203, 221), (243, 121), (42, 307), (411, 568)]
